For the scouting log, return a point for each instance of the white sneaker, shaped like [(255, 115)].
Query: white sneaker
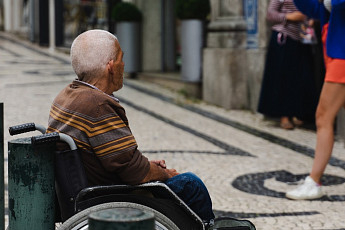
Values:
[(308, 190)]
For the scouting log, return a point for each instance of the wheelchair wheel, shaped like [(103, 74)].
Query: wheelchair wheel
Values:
[(80, 220)]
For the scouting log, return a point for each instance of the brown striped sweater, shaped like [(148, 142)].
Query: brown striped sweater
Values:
[(99, 126)]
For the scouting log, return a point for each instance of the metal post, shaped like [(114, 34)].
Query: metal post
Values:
[(2, 181), (8, 15), (59, 23), (163, 40), (31, 185), (51, 25), (170, 28), (121, 219), (43, 22)]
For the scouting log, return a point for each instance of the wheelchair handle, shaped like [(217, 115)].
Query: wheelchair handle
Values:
[(52, 138), (18, 129)]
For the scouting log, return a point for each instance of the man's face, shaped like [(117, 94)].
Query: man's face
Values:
[(119, 66)]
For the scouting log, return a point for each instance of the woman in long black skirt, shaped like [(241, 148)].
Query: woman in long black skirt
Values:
[(288, 89)]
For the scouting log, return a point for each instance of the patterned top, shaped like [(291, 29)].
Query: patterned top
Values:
[(99, 126), (276, 13)]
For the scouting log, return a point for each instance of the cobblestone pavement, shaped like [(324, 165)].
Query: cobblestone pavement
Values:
[(247, 162)]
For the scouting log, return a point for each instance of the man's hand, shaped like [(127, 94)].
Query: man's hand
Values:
[(171, 172), (159, 171), (160, 163)]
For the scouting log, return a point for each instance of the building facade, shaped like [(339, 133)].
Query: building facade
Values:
[(235, 40)]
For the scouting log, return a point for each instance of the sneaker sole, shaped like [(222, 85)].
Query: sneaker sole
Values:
[(304, 197)]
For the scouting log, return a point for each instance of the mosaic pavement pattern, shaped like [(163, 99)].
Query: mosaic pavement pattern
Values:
[(246, 162)]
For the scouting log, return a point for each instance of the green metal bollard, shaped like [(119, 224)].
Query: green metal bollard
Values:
[(2, 179), (121, 219), (31, 185)]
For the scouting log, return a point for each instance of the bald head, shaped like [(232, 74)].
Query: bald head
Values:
[(90, 53)]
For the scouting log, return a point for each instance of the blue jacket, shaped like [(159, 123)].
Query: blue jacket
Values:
[(335, 44)]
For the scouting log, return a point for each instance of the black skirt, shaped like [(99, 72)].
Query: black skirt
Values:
[(288, 86)]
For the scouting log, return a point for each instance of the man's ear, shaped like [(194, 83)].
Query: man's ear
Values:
[(110, 66)]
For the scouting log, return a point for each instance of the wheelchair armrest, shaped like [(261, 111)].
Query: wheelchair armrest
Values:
[(157, 189)]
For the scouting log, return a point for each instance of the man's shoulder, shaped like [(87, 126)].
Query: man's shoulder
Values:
[(86, 101), (81, 95)]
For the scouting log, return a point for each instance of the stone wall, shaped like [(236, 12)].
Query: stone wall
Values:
[(234, 57)]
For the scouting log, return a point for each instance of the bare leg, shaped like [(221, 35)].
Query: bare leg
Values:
[(331, 100)]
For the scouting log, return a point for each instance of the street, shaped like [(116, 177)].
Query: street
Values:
[(246, 161)]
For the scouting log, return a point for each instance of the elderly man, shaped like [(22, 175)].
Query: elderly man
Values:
[(87, 111)]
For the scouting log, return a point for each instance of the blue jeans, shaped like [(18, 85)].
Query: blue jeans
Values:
[(193, 192)]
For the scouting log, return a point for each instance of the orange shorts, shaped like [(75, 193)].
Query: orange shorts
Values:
[(335, 68)]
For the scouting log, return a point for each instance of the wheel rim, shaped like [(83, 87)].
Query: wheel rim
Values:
[(80, 220), (84, 226)]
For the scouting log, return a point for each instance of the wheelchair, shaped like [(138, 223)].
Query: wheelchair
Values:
[(75, 200)]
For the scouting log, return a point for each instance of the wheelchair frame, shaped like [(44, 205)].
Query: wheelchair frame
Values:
[(76, 199)]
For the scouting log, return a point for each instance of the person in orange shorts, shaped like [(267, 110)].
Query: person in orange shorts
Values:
[(332, 17)]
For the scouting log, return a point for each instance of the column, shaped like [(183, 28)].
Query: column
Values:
[(224, 78), (235, 53)]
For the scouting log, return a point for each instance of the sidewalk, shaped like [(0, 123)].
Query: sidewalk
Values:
[(246, 162)]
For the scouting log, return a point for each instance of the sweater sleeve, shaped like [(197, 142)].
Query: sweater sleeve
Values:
[(115, 146), (273, 12)]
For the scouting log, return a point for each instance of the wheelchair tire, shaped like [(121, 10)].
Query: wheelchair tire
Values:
[(80, 220)]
